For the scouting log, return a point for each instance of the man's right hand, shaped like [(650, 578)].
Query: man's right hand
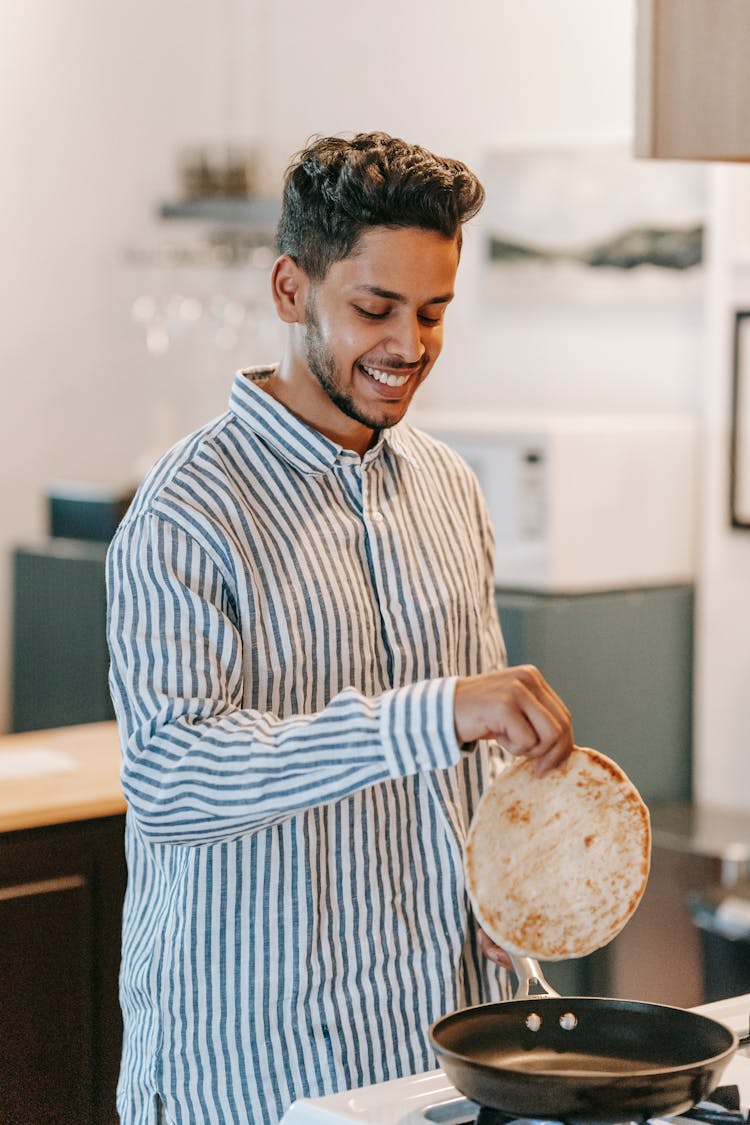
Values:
[(516, 707)]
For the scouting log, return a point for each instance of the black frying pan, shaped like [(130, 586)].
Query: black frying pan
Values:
[(621, 1061)]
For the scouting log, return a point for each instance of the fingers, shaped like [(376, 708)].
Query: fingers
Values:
[(492, 951), (551, 723), (549, 712), (517, 707), (548, 718)]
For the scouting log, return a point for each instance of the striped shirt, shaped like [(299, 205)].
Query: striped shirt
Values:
[(287, 621)]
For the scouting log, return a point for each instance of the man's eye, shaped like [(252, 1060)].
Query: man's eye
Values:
[(429, 320), (370, 315)]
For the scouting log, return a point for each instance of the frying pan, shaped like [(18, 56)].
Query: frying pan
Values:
[(581, 1060)]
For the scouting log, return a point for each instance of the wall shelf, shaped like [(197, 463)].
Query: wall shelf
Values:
[(253, 212)]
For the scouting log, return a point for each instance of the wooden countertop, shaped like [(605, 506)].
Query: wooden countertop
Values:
[(59, 775)]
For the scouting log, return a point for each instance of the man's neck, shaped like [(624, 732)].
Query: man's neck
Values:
[(306, 400)]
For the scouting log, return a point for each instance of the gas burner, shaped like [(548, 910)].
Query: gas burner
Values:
[(488, 1116), (722, 1109)]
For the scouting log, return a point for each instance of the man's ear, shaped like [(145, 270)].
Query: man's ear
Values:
[(289, 286)]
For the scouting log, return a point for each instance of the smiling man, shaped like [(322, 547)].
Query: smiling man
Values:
[(309, 677), (365, 337)]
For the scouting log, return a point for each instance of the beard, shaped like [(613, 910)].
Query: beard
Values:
[(322, 364)]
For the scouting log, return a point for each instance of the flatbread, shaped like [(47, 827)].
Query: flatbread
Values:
[(555, 866)]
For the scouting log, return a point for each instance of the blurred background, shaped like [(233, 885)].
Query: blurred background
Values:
[(595, 374), (121, 328)]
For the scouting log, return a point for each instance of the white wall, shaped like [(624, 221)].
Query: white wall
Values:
[(722, 737), (97, 99), (464, 79)]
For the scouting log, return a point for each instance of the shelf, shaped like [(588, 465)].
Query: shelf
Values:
[(243, 212)]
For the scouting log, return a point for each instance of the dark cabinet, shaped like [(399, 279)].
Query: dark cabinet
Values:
[(61, 893), (623, 662), (60, 658)]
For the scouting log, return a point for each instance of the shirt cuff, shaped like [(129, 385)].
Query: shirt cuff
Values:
[(417, 727)]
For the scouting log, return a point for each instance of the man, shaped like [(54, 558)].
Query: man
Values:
[(306, 661)]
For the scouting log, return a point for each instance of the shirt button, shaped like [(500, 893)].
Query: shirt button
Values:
[(378, 517)]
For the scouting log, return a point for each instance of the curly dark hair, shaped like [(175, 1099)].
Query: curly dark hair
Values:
[(335, 188)]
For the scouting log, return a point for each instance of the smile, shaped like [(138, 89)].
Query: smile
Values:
[(388, 380)]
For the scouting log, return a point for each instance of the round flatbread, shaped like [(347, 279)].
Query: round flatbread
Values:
[(556, 865)]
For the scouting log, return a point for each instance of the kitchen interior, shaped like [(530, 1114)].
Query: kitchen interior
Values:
[(602, 409)]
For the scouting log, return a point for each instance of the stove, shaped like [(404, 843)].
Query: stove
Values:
[(431, 1099)]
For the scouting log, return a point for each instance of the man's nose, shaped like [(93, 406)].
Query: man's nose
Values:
[(406, 340)]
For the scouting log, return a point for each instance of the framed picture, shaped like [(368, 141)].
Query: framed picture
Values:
[(591, 224), (739, 452)]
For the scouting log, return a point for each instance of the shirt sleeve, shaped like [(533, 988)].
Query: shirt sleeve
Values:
[(198, 767)]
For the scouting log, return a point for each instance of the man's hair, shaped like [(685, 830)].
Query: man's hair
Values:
[(335, 188)]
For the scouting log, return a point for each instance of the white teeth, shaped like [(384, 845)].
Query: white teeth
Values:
[(384, 378)]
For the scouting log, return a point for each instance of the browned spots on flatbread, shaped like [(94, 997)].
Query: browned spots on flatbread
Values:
[(518, 813), (608, 766), (555, 866)]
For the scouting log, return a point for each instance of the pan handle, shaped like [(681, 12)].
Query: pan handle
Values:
[(531, 980)]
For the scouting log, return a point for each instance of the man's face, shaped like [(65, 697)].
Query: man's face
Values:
[(373, 327)]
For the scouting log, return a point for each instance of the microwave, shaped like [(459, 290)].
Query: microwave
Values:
[(583, 503)]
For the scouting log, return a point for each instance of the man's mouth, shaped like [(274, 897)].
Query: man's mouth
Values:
[(387, 378)]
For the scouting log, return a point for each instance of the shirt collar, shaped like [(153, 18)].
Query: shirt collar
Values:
[(297, 442)]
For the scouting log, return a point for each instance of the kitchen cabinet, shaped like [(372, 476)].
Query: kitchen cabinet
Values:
[(62, 883), (622, 661), (61, 892), (692, 79)]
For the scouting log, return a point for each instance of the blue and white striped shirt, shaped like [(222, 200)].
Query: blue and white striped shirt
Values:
[(286, 624)]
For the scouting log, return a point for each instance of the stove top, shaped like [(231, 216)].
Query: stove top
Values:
[(431, 1099)]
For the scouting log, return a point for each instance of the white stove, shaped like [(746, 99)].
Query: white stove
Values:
[(431, 1099)]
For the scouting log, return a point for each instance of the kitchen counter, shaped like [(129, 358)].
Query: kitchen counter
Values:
[(660, 956), (703, 830), (62, 885), (60, 775)]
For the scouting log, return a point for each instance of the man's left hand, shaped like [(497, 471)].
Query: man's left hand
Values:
[(492, 951)]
